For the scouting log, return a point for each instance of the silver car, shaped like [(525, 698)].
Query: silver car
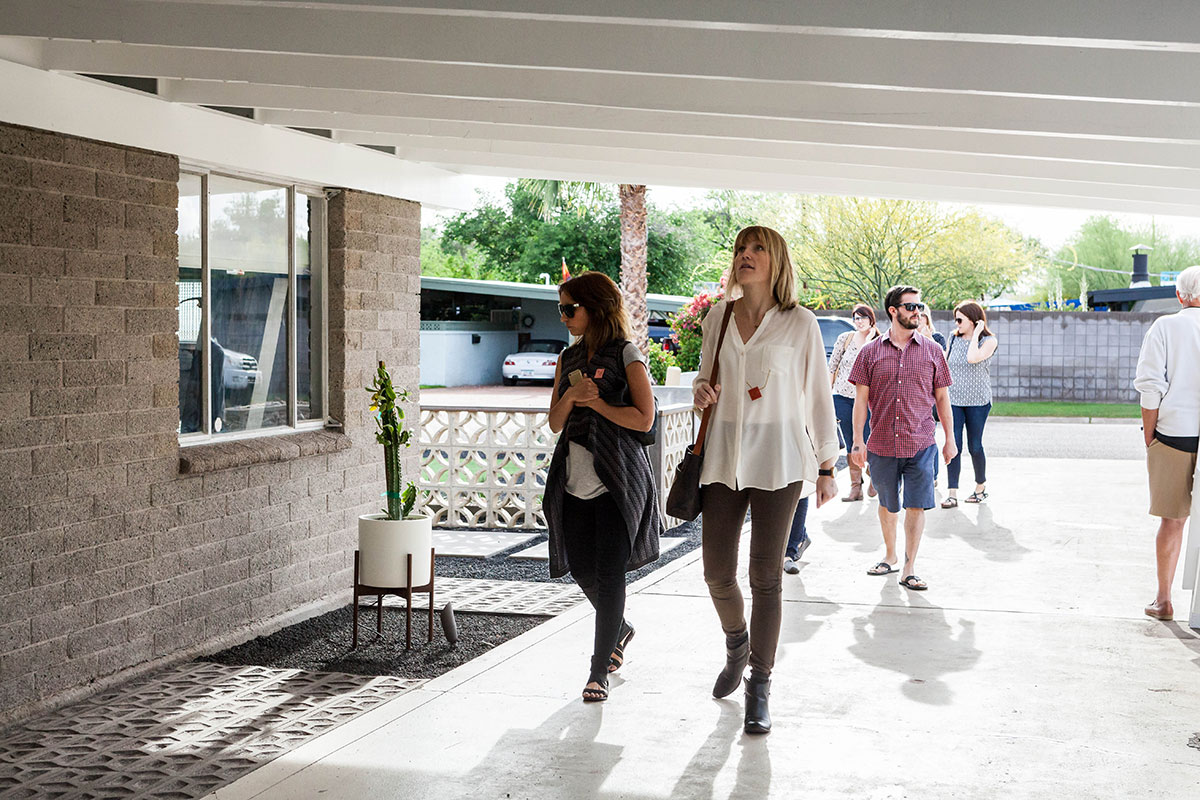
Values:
[(535, 361)]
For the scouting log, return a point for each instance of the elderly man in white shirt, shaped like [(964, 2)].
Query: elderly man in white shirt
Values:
[(1168, 378)]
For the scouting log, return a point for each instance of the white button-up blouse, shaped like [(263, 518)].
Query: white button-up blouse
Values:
[(784, 435)]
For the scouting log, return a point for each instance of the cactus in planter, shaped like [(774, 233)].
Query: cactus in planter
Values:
[(392, 435)]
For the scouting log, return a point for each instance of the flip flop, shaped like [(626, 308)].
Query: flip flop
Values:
[(950, 502), (976, 497), (882, 568), (914, 583)]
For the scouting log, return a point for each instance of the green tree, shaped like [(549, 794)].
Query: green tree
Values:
[(854, 249), (514, 243), (1103, 242)]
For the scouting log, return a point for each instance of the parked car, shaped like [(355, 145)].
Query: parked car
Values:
[(241, 370), (535, 361), (661, 332), (831, 329)]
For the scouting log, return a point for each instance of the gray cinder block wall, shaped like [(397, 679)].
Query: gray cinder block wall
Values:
[(119, 550), (1060, 355)]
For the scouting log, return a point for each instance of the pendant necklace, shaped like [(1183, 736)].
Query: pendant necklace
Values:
[(755, 392)]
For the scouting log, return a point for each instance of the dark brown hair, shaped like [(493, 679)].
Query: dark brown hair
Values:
[(607, 320), (974, 312), (865, 310), (868, 312)]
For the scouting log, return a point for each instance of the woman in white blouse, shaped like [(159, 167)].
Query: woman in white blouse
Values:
[(772, 438)]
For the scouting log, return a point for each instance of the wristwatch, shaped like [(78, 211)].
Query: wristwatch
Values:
[(826, 473)]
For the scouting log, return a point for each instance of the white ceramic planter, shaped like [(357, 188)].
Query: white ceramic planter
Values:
[(384, 545)]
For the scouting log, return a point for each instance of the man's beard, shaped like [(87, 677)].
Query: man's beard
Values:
[(910, 323)]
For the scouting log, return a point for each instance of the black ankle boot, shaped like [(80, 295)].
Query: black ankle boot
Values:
[(736, 658), (758, 716)]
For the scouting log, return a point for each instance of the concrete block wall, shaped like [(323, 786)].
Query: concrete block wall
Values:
[(1056, 355), (119, 550)]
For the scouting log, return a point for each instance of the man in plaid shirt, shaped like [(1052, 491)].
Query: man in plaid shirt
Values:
[(898, 377)]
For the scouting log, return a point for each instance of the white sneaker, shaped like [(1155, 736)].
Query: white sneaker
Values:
[(790, 567)]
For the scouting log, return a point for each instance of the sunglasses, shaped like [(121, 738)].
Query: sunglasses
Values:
[(860, 318), (568, 309), (959, 320), (913, 306)]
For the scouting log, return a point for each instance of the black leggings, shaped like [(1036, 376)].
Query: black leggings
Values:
[(598, 549)]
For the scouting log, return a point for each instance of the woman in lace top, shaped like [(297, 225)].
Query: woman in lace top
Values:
[(841, 361)]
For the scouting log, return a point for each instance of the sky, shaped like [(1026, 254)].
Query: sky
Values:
[(1052, 226)]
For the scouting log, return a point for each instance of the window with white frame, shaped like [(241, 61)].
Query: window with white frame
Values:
[(251, 286)]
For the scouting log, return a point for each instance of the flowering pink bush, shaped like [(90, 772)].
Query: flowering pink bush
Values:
[(686, 326)]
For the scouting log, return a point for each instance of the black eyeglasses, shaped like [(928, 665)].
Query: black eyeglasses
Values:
[(568, 309), (913, 306), (959, 320)]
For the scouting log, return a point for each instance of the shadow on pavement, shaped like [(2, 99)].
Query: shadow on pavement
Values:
[(915, 641)]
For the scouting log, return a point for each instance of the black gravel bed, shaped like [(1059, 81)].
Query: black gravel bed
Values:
[(502, 568), (322, 644)]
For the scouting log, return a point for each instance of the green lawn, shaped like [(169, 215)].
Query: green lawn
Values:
[(1064, 409)]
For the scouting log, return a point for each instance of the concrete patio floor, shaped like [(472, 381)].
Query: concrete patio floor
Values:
[(1027, 670)]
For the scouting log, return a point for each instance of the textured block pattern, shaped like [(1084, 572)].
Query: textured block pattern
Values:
[(113, 553), (494, 597), (183, 733)]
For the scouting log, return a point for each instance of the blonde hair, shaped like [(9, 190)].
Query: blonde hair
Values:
[(783, 274), (607, 320)]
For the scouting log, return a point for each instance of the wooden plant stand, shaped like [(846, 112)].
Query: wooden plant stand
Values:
[(406, 592)]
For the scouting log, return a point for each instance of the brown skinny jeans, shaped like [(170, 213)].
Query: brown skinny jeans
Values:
[(724, 512)]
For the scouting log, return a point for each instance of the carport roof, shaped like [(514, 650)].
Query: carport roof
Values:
[(1084, 104), (661, 303)]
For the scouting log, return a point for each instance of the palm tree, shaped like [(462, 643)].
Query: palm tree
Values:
[(551, 196)]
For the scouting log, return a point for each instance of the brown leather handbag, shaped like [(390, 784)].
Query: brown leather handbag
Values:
[(684, 500)]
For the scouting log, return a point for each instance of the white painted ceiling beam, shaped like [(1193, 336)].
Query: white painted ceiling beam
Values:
[(1112, 23), (702, 151), (208, 138), (582, 45), (900, 64), (474, 154), (713, 178), (368, 129), (862, 107)]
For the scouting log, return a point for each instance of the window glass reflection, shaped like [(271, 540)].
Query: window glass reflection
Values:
[(188, 283), (248, 276)]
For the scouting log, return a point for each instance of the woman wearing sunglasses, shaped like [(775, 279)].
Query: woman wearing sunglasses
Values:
[(969, 356), (600, 502), (841, 361), (772, 437)]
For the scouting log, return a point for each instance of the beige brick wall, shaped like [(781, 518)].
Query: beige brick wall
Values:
[(111, 560)]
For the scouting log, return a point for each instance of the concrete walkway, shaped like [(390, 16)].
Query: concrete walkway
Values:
[(1027, 670)]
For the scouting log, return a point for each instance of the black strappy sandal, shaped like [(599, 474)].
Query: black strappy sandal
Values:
[(617, 659), (596, 695)]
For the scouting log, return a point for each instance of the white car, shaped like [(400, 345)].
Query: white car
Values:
[(241, 370), (536, 361)]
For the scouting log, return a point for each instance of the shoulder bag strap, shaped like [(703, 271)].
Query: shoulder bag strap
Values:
[(698, 448)]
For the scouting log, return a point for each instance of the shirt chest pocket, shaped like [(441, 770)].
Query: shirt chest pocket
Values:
[(773, 360)]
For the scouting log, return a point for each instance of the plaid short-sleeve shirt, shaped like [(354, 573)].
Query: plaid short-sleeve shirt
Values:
[(901, 384)]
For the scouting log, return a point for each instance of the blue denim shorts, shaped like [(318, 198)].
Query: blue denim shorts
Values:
[(914, 474)]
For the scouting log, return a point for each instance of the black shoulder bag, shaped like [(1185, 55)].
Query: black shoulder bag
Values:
[(684, 499)]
